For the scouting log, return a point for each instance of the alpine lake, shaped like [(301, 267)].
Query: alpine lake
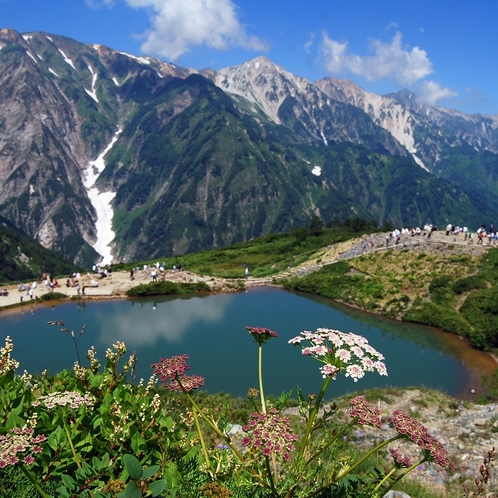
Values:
[(210, 329)]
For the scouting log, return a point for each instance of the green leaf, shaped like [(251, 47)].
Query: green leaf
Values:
[(14, 420), (87, 469), (81, 474), (63, 492), (68, 481), (97, 465), (138, 443), (131, 491), (132, 466), (149, 471), (157, 487)]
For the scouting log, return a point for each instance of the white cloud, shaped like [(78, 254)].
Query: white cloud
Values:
[(178, 25), (388, 60), (430, 92)]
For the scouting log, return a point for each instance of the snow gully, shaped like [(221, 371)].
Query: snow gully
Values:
[(101, 202)]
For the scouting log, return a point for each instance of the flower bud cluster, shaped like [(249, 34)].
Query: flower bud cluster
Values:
[(341, 352), (171, 372), (260, 334), (414, 431), (19, 444), (400, 461), (365, 413), (92, 358), (65, 398), (6, 362), (79, 371), (270, 433)]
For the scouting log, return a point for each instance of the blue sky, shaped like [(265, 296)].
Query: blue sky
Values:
[(444, 50)]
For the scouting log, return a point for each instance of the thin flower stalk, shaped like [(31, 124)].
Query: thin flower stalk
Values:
[(33, 481), (313, 415), (261, 335), (395, 481)]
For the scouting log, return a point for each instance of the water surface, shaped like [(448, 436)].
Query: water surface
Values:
[(210, 330)]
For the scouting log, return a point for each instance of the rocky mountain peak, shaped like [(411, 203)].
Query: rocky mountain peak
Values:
[(261, 82)]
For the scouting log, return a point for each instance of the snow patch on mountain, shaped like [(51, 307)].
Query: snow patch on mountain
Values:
[(143, 60), (101, 202), (67, 60), (93, 92), (32, 57)]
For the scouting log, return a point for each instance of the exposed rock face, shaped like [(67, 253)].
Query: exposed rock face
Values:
[(207, 158)]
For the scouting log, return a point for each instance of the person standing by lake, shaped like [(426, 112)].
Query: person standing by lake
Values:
[(246, 272)]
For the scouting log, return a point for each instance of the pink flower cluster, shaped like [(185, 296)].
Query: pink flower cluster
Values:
[(270, 433), (65, 398), (400, 461), (365, 413), (171, 372), (260, 334), (19, 444), (414, 431), (341, 352)]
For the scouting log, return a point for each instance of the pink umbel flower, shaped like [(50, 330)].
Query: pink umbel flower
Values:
[(364, 412), (400, 461), (19, 444), (171, 372), (412, 430), (270, 433), (261, 334), (347, 353)]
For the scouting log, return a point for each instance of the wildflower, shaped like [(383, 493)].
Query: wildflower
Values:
[(364, 412), (7, 364), (340, 352), (414, 431), (65, 398), (171, 372), (19, 444), (400, 461), (260, 334), (270, 433)]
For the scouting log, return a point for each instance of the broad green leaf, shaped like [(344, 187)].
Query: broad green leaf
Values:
[(97, 465), (68, 481), (138, 443), (14, 420), (132, 466), (149, 471), (157, 487), (131, 491), (63, 492)]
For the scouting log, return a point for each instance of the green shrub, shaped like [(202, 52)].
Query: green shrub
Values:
[(165, 288), (467, 284)]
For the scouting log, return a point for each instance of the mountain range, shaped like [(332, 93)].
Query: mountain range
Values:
[(104, 154)]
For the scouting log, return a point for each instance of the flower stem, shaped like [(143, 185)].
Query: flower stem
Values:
[(330, 442), (201, 437), (347, 471), (408, 470), (313, 414), (30, 476), (260, 372), (68, 434)]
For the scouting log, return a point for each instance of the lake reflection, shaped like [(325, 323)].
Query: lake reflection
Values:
[(210, 330)]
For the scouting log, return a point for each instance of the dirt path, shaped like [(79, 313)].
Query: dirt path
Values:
[(117, 283)]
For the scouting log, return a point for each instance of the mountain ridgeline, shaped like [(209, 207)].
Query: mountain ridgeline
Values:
[(202, 159)]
